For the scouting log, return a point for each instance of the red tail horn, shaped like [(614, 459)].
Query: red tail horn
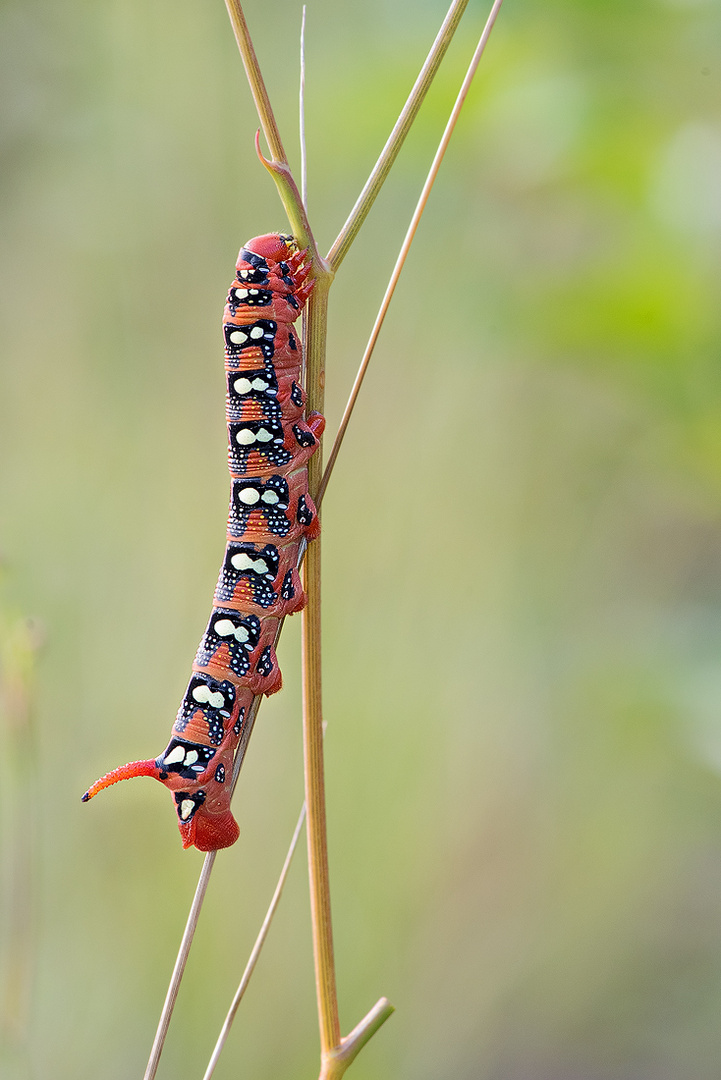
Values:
[(125, 772)]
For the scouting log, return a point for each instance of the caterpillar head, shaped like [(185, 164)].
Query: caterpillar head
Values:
[(276, 257), (274, 247)]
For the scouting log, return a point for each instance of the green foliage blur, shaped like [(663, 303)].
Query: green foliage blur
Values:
[(522, 541)]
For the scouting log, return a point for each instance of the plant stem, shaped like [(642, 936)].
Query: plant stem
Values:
[(278, 165), (405, 248), (397, 136), (315, 801), (179, 968), (255, 80), (253, 958), (316, 326), (301, 117)]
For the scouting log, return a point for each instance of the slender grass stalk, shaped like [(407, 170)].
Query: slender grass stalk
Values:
[(315, 334), (256, 81), (301, 118), (278, 165), (319, 881), (337, 1055), (405, 248), (181, 961), (255, 953), (402, 126)]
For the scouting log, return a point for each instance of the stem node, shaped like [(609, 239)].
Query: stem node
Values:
[(336, 1061)]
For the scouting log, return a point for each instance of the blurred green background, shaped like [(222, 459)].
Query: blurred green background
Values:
[(522, 541)]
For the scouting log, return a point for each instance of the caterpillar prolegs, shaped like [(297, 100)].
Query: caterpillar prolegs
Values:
[(271, 514)]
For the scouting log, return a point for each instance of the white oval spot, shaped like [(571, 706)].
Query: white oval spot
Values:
[(241, 634), (186, 809), (260, 384), (240, 294), (257, 332), (224, 627), (269, 497), (216, 700), (201, 694), (238, 337), (249, 496), (191, 756), (245, 437), (175, 755), (242, 562), (242, 386), (264, 435)]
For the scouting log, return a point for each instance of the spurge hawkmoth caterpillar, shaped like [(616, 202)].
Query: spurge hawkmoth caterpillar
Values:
[(270, 515)]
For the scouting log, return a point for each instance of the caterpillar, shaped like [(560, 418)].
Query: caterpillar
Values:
[(271, 515)]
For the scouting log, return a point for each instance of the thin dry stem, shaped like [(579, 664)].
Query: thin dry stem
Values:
[(294, 208), (397, 136), (405, 248), (312, 708), (259, 942), (255, 80), (179, 968), (301, 109), (312, 683), (315, 801), (278, 165)]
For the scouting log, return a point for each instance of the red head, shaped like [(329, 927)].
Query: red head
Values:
[(275, 247)]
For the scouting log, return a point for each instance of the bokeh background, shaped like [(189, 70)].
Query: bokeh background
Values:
[(522, 541)]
